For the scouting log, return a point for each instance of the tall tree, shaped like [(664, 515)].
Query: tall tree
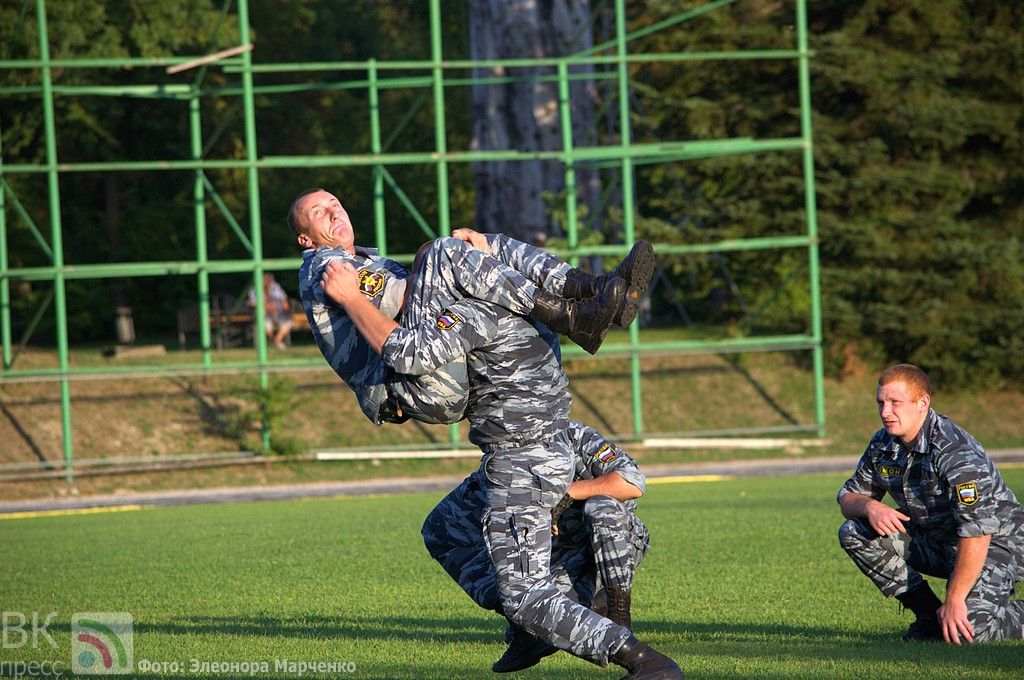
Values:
[(523, 115)]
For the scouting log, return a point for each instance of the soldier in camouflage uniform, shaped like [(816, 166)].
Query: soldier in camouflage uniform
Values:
[(954, 518), (615, 535), (518, 410), (446, 270), (599, 535)]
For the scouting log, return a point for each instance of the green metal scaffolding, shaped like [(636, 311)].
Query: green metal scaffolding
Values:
[(624, 155)]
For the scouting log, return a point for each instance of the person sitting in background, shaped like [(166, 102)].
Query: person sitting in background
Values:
[(277, 322)]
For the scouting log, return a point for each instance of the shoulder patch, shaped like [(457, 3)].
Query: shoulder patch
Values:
[(606, 453), (370, 283), (967, 493), (448, 320)]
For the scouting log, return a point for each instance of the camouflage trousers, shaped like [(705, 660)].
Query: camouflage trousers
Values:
[(453, 535), (541, 267), (523, 483), (447, 270), (895, 565), (612, 534)]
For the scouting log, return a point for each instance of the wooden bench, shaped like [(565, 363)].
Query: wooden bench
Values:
[(231, 321)]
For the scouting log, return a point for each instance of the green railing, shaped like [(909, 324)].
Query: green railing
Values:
[(623, 155)]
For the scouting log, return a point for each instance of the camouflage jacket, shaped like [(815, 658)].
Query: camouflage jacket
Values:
[(518, 389), (382, 281), (945, 483), (597, 456)]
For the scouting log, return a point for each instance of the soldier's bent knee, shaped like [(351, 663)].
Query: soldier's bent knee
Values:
[(853, 533), (602, 508)]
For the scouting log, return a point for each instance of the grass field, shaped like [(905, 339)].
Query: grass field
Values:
[(744, 580)]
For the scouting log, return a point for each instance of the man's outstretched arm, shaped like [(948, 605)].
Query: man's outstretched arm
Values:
[(970, 559), (609, 484)]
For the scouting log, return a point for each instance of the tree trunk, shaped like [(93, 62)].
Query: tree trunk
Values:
[(524, 116)]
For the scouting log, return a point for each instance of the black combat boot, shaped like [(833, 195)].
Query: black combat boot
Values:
[(923, 602), (637, 270), (644, 663), (524, 651), (599, 603), (586, 322), (618, 606)]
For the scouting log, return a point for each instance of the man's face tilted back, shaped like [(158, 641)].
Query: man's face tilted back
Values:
[(902, 412), (324, 222)]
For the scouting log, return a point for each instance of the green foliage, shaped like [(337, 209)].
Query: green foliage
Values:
[(148, 216), (113, 217), (731, 197), (920, 203), (258, 407), (918, 128)]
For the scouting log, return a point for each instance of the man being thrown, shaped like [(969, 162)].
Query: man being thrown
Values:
[(955, 518), (518, 413), (549, 290)]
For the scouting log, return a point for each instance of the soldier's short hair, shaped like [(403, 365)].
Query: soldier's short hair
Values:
[(910, 375), (294, 218)]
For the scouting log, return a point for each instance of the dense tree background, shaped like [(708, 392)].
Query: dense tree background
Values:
[(918, 127)]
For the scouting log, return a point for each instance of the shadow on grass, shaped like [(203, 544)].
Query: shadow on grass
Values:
[(606, 426), (777, 651), (733, 632), (473, 630), (778, 642), (729, 365), (212, 414)]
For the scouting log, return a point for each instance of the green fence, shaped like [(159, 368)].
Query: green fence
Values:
[(434, 75)]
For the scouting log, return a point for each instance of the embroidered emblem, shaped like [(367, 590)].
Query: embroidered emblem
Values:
[(448, 320), (888, 471), (370, 283), (967, 493), (606, 453)]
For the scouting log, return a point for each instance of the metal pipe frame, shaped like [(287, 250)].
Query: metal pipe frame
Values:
[(622, 156)]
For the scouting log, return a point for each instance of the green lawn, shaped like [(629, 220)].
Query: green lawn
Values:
[(744, 580)]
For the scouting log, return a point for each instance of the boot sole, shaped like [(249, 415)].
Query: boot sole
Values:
[(667, 675), (529, 663), (638, 283)]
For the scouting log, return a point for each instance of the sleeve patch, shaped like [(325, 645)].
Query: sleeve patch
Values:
[(606, 453), (448, 320), (370, 283), (967, 493)]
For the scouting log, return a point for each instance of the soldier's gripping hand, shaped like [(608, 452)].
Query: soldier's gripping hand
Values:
[(556, 512), (473, 238), (340, 281), (885, 520)]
